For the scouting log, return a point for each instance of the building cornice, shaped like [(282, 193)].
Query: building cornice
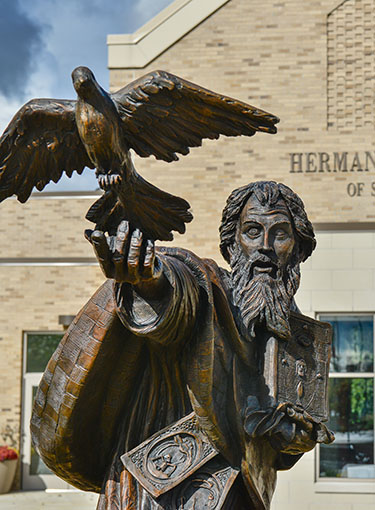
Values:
[(48, 261), (137, 50)]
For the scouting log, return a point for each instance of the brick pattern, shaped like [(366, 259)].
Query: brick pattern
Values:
[(45, 227), (351, 65), (32, 297)]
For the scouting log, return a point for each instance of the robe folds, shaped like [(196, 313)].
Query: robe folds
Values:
[(127, 368)]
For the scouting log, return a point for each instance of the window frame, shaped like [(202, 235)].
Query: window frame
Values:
[(346, 485)]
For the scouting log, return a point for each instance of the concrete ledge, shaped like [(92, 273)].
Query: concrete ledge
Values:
[(94, 194), (36, 500), (346, 486), (129, 51), (365, 226), (48, 261)]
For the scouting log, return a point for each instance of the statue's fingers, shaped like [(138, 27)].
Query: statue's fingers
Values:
[(119, 247), (122, 238), (299, 418), (102, 252), (111, 240), (134, 255), (149, 261)]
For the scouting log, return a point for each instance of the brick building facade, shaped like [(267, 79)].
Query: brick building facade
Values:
[(312, 64)]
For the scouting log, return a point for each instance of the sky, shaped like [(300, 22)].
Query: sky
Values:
[(42, 41)]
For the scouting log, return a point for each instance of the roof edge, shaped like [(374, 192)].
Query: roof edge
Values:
[(136, 50)]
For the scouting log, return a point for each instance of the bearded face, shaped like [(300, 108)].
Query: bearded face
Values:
[(263, 297), (265, 270)]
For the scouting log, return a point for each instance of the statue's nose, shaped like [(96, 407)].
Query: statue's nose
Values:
[(266, 246)]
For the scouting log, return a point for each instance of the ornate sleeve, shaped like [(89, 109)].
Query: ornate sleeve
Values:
[(172, 316)]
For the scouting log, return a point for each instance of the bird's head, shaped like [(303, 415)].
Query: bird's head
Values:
[(84, 81)]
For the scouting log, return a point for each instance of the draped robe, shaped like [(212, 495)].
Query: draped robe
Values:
[(127, 368)]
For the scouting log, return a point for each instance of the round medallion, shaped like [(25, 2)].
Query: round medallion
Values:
[(172, 456)]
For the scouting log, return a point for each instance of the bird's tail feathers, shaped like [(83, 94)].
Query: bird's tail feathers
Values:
[(155, 212)]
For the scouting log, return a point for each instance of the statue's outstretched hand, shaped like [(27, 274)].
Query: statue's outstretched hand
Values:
[(128, 258)]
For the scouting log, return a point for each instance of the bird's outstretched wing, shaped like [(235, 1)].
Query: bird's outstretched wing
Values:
[(163, 114), (40, 143)]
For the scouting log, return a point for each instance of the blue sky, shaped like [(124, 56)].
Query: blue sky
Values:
[(42, 41)]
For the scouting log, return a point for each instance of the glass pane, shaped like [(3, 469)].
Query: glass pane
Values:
[(37, 466), (352, 347), (40, 347), (351, 409)]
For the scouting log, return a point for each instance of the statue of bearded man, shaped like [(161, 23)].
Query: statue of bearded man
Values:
[(160, 395)]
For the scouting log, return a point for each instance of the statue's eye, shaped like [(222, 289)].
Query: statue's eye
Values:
[(281, 234), (252, 232)]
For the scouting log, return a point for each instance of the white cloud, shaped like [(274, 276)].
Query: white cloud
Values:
[(8, 108)]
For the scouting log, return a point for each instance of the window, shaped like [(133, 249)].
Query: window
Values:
[(39, 349), (351, 400)]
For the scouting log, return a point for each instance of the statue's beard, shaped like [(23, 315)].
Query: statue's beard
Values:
[(263, 297)]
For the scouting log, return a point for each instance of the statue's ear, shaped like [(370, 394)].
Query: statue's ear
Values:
[(301, 254), (297, 251)]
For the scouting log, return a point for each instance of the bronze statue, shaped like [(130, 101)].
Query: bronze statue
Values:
[(159, 114), (181, 385)]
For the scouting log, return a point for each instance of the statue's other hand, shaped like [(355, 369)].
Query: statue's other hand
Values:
[(289, 429), (295, 433), (126, 257), (298, 432)]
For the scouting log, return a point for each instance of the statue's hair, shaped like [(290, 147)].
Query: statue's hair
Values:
[(267, 192)]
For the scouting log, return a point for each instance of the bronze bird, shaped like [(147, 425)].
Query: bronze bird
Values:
[(159, 114)]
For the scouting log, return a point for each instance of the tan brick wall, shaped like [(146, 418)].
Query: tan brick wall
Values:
[(351, 65), (45, 227), (32, 297)]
